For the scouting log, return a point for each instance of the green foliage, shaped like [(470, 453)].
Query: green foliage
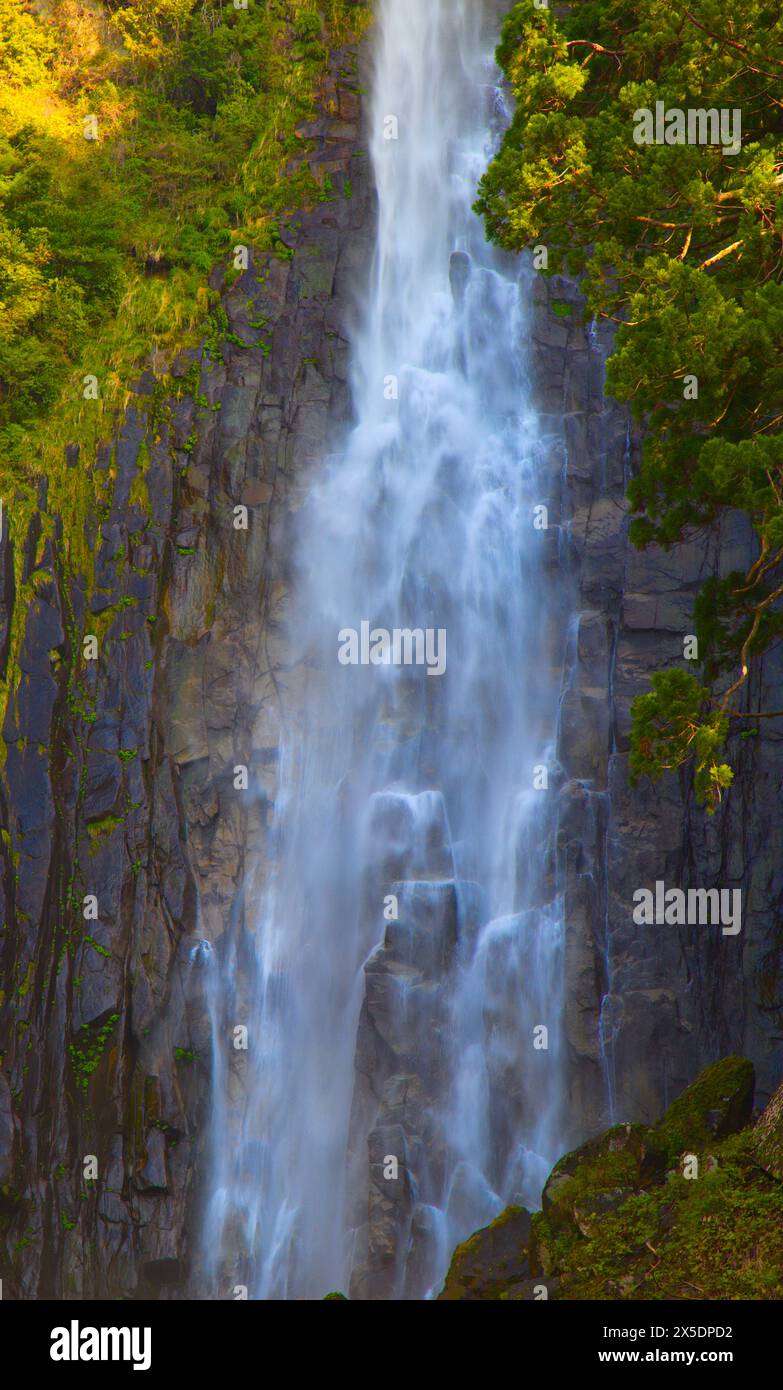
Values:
[(670, 726), (682, 247), (86, 1054), (25, 45), (196, 106), (96, 946), (107, 244), (152, 29), (613, 1163)]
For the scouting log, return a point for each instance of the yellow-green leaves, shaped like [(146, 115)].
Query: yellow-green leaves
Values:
[(672, 725)]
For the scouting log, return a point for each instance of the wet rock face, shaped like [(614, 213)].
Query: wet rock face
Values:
[(397, 1144), (135, 786), (648, 1005)]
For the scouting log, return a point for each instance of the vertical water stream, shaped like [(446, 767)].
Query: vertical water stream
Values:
[(409, 942)]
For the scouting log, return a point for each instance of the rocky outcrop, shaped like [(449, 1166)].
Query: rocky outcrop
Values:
[(769, 1137), (598, 1176), (134, 795), (648, 1005), (601, 1174)]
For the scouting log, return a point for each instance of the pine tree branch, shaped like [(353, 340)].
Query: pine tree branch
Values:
[(727, 250), (732, 43)]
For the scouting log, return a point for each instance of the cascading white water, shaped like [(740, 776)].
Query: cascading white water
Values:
[(392, 777)]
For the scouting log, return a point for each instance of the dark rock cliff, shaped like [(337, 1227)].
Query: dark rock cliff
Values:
[(648, 1006)]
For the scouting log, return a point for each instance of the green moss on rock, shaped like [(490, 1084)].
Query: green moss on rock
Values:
[(621, 1221), (493, 1262), (718, 1103), (598, 1175), (717, 1236)]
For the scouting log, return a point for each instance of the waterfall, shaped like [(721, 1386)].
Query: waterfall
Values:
[(403, 1079)]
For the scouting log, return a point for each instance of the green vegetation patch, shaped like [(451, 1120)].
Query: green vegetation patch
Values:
[(713, 1237), (86, 1053)]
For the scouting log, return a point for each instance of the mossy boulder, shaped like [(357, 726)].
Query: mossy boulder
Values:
[(713, 1237), (493, 1263), (768, 1137), (599, 1175), (621, 1220), (718, 1103)]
